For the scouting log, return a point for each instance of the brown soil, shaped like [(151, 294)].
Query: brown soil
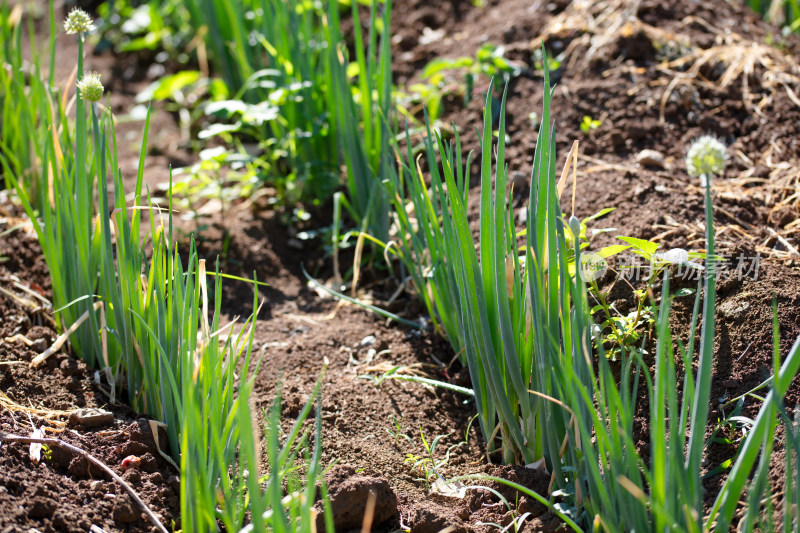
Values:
[(612, 73)]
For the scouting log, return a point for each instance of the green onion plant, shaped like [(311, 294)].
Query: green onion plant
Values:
[(29, 102), (221, 447), (509, 307), (272, 56), (284, 498), (420, 241), (364, 114), (71, 242), (295, 90)]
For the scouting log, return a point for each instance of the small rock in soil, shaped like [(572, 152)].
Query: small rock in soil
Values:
[(148, 464), (39, 345), (349, 493), (132, 448), (733, 308), (132, 476), (369, 340), (650, 158), (91, 418)]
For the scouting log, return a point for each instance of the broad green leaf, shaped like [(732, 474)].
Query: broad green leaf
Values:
[(612, 250), (647, 247)]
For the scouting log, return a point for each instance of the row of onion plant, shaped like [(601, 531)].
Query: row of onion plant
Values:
[(328, 111), (142, 314), (516, 306)]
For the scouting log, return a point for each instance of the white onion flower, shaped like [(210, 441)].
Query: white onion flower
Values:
[(78, 21), (706, 156)]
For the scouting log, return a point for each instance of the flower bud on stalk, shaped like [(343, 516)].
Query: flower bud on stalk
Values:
[(90, 88)]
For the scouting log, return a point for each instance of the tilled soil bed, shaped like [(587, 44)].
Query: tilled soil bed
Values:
[(656, 75)]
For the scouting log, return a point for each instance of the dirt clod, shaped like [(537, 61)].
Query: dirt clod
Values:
[(430, 517), (349, 495), (126, 511), (41, 507)]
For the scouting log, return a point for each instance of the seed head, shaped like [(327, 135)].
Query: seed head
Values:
[(90, 88), (706, 156), (78, 21)]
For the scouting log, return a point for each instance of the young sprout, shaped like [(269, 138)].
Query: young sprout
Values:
[(706, 156), (90, 88), (589, 124), (78, 21)]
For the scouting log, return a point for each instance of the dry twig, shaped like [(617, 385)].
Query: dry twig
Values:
[(42, 357)]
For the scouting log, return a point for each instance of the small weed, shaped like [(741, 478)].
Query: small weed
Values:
[(154, 26), (620, 332), (186, 94), (589, 124), (398, 432), (211, 185), (489, 63), (47, 452), (426, 463)]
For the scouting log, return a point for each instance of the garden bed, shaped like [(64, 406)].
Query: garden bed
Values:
[(614, 72)]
